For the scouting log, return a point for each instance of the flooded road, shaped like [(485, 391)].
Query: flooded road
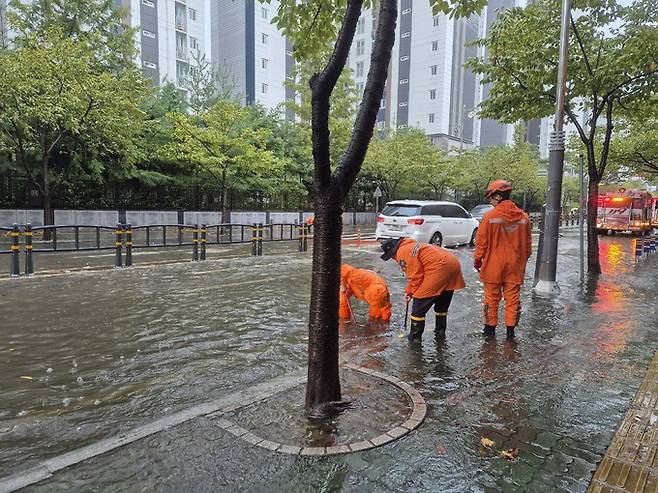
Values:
[(90, 354)]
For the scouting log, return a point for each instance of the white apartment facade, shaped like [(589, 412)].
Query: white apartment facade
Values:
[(427, 87), (171, 34), (252, 50)]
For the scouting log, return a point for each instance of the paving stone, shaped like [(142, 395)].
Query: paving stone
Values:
[(269, 445), (224, 423), (416, 398), (251, 438), (314, 451), (341, 449), (289, 449), (236, 430), (411, 424), (397, 432), (359, 446), (381, 439)]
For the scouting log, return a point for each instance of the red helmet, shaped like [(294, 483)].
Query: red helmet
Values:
[(497, 186)]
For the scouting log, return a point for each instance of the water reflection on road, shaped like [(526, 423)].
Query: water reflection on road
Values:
[(108, 350)]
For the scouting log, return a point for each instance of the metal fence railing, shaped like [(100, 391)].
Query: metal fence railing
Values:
[(124, 238)]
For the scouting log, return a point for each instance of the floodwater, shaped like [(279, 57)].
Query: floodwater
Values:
[(87, 355)]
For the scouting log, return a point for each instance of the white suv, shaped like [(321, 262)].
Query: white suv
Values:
[(439, 223)]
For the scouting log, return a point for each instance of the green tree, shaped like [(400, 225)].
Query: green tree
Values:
[(343, 105), (612, 66), (221, 143), (56, 108), (403, 155), (311, 25), (97, 24), (208, 84)]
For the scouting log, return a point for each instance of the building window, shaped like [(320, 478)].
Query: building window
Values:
[(404, 81), (263, 12), (359, 69), (402, 103), (150, 65), (406, 11), (405, 35), (194, 43), (432, 93), (263, 88), (148, 34), (430, 117), (382, 103), (380, 125), (359, 87), (433, 69), (360, 47), (192, 14), (404, 58), (361, 26), (264, 62), (435, 46), (148, 3), (435, 20), (263, 38)]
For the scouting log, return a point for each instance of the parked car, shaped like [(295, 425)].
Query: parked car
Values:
[(480, 210), (439, 223)]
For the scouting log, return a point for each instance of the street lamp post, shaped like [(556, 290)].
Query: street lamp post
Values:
[(547, 284)]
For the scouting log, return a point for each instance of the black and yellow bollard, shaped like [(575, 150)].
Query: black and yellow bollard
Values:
[(638, 247), (300, 237), (204, 240), (259, 239), (118, 233), (254, 239), (305, 231), (29, 263), (129, 245), (195, 243), (15, 263)]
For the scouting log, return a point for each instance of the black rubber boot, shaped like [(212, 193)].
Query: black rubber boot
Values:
[(441, 325), (417, 328), (489, 330), (510, 332)]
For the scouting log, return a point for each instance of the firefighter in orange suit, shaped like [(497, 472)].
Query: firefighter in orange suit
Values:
[(503, 246), (364, 285), (434, 275)]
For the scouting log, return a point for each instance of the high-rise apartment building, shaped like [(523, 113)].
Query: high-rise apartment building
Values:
[(428, 86), (172, 33), (4, 41), (252, 50)]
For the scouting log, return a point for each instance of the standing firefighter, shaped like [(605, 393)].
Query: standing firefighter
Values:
[(503, 246), (364, 285), (434, 274)]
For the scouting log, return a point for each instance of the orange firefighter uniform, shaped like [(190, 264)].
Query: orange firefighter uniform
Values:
[(364, 285), (503, 246), (434, 274)]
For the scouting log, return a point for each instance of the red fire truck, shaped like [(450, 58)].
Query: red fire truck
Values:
[(625, 211)]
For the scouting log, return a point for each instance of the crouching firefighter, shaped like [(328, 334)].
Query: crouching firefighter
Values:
[(365, 285), (434, 275), (503, 246)]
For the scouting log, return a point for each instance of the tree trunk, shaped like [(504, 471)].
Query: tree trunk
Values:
[(323, 383), (593, 263), (48, 217)]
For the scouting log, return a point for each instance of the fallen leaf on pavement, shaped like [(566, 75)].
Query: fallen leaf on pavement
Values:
[(440, 449), (511, 454), (487, 442)]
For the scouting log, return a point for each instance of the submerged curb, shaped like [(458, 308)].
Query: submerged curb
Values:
[(413, 421)]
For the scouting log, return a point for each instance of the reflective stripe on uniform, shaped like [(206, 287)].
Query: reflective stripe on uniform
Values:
[(441, 314), (415, 249), (417, 319)]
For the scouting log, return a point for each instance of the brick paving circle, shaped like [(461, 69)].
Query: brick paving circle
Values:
[(413, 421)]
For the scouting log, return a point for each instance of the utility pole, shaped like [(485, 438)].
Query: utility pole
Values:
[(547, 284)]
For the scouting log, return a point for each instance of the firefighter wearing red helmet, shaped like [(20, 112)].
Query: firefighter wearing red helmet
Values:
[(503, 246)]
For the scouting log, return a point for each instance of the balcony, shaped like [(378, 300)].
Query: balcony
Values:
[(181, 25), (182, 55)]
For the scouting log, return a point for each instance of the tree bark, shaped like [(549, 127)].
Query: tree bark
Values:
[(48, 214), (593, 263), (323, 382)]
